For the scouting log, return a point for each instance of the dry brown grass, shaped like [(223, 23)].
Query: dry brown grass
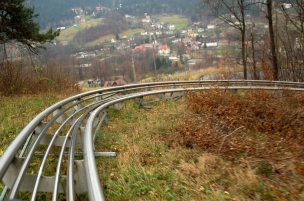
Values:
[(174, 153), (259, 131), (195, 74)]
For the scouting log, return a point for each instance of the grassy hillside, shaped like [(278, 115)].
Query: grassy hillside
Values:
[(129, 33), (69, 33), (180, 22)]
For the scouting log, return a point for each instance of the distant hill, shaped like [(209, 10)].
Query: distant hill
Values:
[(58, 13), (97, 31)]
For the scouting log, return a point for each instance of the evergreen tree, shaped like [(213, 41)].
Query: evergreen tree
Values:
[(159, 63), (17, 25), (117, 37), (205, 46)]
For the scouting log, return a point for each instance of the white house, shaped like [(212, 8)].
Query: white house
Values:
[(287, 5), (85, 65), (194, 47), (183, 31), (173, 58), (210, 26), (176, 41), (143, 33), (146, 20), (158, 32), (199, 30), (79, 55), (211, 44), (171, 27), (164, 49), (159, 26), (61, 28)]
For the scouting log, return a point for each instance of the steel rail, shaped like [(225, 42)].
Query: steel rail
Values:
[(51, 144), (71, 152), (15, 188), (70, 172)]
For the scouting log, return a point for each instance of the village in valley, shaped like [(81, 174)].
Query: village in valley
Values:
[(151, 44)]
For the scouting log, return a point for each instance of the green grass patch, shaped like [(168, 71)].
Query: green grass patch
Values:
[(129, 33), (179, 21), (16, 112), (69, 33)]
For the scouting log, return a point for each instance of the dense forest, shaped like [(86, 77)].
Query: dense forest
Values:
[(57, 13)]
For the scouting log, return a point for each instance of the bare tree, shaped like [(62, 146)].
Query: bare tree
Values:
[(231, 12), (96, 68), (252, 39), (293, 10), (292, 40), (274, 58), (127, 71)]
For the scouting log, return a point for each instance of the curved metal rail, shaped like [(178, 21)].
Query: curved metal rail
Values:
[(71, 125)]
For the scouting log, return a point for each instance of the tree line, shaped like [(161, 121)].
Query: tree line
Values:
[(120, 65), (280, 49)]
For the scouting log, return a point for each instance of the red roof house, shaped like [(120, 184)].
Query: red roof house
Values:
[(139, 48), (118, 82)]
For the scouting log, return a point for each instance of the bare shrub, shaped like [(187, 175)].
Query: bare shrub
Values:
[(21, 78), (13, 78)]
